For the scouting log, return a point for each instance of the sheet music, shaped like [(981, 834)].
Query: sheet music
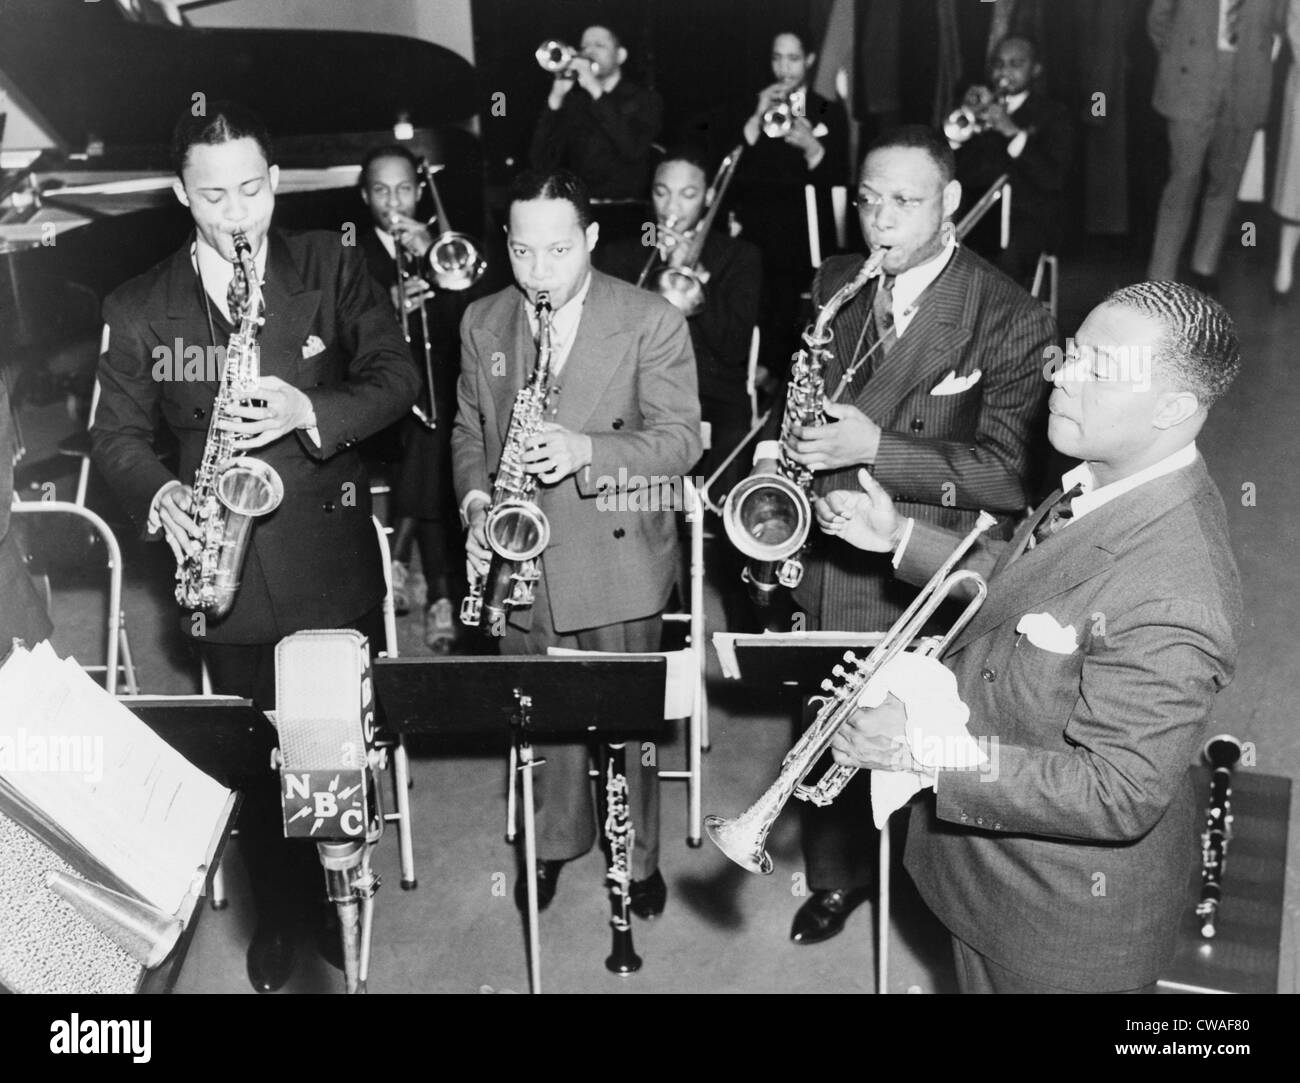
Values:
[(103, 778)]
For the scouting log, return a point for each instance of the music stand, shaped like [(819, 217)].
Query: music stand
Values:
[(805, 659), (528, 698)]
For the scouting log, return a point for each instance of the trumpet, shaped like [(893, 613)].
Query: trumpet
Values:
[(971, 117), (744, 838), (683, 285), (778, 119), (557, 58), (405, 264)]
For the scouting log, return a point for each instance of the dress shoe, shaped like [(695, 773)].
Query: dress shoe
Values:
[(401, 588), (439, 627), (649, 896), (824, 914), (1207, 284), (329, 937), (270, 957), (548, 875)]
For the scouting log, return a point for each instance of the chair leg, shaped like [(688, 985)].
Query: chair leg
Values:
[(219, 900), (402, 792), (128, 665)]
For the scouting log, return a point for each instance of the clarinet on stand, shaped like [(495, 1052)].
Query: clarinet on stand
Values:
[(623, 958), (1222, 754)]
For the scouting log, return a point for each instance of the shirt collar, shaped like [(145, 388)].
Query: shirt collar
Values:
[(386, 239), (1015, 101), (1094, 496), (566, 317), (217, 272), (910, 284)]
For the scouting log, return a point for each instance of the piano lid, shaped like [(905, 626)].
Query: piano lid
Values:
[(83, 69)]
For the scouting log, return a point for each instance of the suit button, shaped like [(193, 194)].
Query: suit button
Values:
[(199, 413), (964, 817), (997, 827), (619, 532), (618, 423), (327, 506), (917, 424), (989, 674), (979, 821)]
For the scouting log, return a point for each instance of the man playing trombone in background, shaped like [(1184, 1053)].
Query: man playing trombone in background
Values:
[(1111, 621), (941, 359)]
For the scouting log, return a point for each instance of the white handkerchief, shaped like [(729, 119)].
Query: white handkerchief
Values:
[(312, 346), (820, 131), (1044, 632), (936, 728), (952, 384)]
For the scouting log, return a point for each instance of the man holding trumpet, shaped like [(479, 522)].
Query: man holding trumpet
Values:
[(1110, 623)]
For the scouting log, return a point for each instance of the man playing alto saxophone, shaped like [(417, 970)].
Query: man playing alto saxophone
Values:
[(623, 409), (944, 356), (335, 370)]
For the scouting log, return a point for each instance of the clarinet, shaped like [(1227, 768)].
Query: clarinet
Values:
[(623, 958), (1222, 754)]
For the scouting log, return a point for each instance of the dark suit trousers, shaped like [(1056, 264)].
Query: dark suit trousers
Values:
[(284, 874), (563, 792), (978, 973)]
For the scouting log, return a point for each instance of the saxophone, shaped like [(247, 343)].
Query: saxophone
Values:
[(230, 490), (768, 517), (517, 529)]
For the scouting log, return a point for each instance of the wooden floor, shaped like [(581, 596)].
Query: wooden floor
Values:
[(725, 930)]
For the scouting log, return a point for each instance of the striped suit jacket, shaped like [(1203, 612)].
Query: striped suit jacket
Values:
[(942, 458)]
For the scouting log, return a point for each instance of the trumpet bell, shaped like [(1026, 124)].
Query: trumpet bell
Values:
[(740, 842), (767, 517), (554, 55), (778, 120), (455, 263), (518, 530), (681, 287), (960, 125)]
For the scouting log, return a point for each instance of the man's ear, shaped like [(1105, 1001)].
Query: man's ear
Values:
[(810, 60), (951, 197), (622, 56), (275, 177), (1175, 408), (178, 190), (593, 235)]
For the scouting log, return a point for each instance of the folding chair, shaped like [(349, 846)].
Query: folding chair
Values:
[(1046, 261), (78, 522)]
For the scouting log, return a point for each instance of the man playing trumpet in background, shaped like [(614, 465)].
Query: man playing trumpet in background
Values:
[(1111, 621)]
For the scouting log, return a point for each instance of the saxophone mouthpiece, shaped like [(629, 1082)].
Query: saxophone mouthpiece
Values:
[(543, 302)]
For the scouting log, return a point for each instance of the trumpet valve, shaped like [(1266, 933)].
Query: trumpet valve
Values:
[(828, 685)]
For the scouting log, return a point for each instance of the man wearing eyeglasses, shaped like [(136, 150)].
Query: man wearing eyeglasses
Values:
[(942, 359)]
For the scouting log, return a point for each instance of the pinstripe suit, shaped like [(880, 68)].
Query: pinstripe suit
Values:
[(1069, 864), (942, 458)]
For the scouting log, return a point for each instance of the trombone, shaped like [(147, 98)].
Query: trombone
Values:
[(454, 258), (427, 412), (744, 838)]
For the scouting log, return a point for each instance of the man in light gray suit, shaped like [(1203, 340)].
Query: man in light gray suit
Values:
[(623, 413), (1111, 621), (1213, 86)]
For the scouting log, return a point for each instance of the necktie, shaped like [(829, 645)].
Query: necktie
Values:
[(237, 293), (882, 310), (1231, 20), (1057, 516)]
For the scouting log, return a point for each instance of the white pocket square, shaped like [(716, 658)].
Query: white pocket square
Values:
[(820, 131), (952, 384), (1044, 632), (312, 346)]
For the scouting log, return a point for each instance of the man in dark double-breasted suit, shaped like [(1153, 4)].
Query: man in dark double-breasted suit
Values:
[(1111, 621), (622, 422), (334, 370), (946, 356)]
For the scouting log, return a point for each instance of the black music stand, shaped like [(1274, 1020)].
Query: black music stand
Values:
[(528, 698), (225, 737), (805, 659)]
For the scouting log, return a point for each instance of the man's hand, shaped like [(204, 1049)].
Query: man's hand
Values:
[(875, 738), (999, 120), (560, 88), (867, 519), (555, 453), (852, 439), (767, 98), (286, 409), (181, 533), (412, 235), (587, 78), (416, 291), (800, 135), (673, 244), (477, 552)]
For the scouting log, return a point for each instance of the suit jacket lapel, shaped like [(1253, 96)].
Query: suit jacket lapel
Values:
[(509, 342), (185, 321), (592, 361), (940, 326), (290, 309)]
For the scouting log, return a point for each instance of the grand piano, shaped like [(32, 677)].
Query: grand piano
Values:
[(82, 217)]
